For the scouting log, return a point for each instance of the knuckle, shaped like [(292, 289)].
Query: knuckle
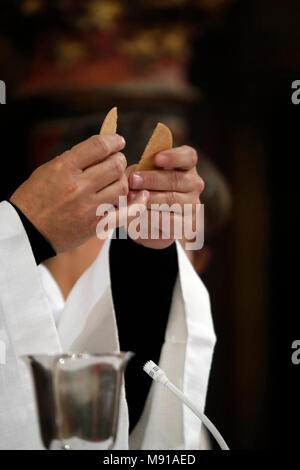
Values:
[(71, 187), (58, 162), (199, 184), (175, 180), (190, 180), (96, 140), (124, 187), (100, 144), (122, 159), (65, 155), (171, 198), (118, 167), (192, 154)]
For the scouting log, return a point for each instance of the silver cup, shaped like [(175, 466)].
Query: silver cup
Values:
[(78, 398)]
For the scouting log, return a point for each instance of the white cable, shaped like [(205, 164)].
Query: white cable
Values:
[(157, 374)]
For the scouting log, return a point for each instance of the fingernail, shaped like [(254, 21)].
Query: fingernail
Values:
[(131, 197), (162, 159), (123, 140), (136, 180)]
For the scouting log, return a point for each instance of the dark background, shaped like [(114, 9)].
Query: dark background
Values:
[(247, 68), (244, 65)]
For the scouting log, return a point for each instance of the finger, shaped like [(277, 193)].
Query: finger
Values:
[(162, 225), (181, 158), (118, 217), (163, 180), (107, 172), (169, 199), (95, 149), (111, 194), (130, 170), (176, 224), (136, 208)]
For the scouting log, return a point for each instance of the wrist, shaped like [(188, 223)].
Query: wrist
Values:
[(40, 246)]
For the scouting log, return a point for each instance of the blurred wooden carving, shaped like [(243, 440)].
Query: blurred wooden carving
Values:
[(78, 44)]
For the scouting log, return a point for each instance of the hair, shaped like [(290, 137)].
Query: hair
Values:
[(216, 196)]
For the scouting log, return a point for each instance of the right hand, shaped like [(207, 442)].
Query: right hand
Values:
[(60, 197)]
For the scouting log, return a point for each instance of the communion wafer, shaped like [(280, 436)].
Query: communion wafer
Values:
[(109, 125), (160, 140)]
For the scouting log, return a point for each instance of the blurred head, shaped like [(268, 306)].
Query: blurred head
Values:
[(216, 198)]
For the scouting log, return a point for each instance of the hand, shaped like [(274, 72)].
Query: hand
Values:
[(175, 181), (60, 198)]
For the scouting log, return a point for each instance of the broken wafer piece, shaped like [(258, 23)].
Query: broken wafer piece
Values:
[(109, 125), (160, 140)]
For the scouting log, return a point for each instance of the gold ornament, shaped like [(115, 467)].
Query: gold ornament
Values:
[(102, 15), (30, 7)]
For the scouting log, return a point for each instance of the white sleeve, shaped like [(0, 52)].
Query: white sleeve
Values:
[(22, 296), (26, 327)]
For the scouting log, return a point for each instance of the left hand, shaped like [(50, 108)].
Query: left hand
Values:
[(175, 181)]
